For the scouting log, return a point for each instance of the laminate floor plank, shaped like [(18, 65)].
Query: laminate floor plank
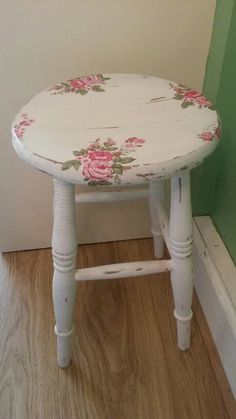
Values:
[(126, 364)]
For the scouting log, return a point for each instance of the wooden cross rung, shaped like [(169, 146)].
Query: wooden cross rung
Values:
[(119, 195), (123, 270)]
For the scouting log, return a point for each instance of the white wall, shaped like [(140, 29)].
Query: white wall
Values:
[(47, 41)]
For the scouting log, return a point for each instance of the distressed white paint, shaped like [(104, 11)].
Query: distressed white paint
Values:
[(181, 238), (131, 106), (123, 270), (140, 117), (215, 286), (64, 249)]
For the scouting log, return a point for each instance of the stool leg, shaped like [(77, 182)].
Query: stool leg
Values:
[(181, 238), (64, 249), (156, 193)]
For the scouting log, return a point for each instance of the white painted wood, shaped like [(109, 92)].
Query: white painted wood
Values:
[(219, 254), (181, 238), (108, 131), (156, 194), (64, 249), (123, 270), (132, 129), (113, 196), (215, 274)]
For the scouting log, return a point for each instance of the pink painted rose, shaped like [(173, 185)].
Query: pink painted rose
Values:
[(202, 101), (206, 136), (77, 84), (97, 170), (19, 133), (25, 123), (192, 94), (100, 155), (91, 80), (134, 142)]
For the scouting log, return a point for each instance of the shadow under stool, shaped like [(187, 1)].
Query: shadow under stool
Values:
[(118, 132)]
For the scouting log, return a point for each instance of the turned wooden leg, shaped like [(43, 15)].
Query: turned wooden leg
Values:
[(181, 238), (64, 249), (156, 193)]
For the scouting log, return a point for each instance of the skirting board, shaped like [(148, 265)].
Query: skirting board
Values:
[(215, 285)]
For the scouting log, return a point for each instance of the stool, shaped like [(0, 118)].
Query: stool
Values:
[(114, 133)]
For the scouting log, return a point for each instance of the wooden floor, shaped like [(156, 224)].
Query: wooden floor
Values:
[(125, 360)]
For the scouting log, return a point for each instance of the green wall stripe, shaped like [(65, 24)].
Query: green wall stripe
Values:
[(204, 178), (222, 20), (224, 205)]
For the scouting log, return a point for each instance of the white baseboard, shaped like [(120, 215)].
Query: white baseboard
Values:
[(215, 284)]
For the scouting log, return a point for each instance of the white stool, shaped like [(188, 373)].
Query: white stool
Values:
[(118, 131)]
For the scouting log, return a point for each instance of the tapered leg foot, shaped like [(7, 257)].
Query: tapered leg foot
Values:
[(183, 331), (64, 248), (181, 238), (63, 348)]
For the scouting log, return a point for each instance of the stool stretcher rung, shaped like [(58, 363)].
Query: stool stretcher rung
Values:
[(119, 195), (123, 270)]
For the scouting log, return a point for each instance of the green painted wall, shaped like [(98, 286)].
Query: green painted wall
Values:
[(214, 184), (204, 178), (224, 204)]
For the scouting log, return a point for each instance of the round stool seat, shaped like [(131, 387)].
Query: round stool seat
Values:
[(116, 129)]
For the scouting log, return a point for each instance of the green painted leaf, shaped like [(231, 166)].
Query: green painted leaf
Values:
[(92, 183), (184, 105), (99, 182), (77, 164), (178, 96), (97, 88), (82, 92), (117, 169), (82, 152), (104, 182), (67, 164), (106, 147), (125, 160)]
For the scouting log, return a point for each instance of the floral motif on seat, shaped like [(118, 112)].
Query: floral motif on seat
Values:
[(190, 97), (80, 85), (21, 126), (103, 162)]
